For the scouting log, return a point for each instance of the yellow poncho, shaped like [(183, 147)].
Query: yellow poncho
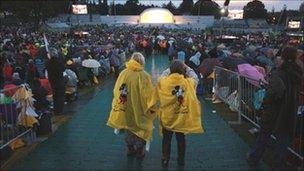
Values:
[(64, 50), (180, 110), (132, 103)]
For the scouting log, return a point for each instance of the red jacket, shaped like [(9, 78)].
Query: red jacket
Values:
[(8, 72)]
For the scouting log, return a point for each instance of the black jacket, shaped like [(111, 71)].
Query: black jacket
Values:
[(55, 68), (282, 99)]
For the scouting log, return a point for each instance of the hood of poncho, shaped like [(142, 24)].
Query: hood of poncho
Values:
[(134, 66)]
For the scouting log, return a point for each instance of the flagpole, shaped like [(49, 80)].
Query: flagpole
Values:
[(46, 46)]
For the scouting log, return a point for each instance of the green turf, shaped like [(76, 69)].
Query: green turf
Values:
[(86, 143)]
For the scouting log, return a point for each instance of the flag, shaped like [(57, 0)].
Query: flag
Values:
[(226, 3)]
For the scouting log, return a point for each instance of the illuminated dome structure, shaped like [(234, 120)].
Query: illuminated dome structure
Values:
[(156, 16)]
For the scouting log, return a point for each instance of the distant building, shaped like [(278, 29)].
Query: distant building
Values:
[(235, 14), (149, 17), (241, 26), (294, 23)]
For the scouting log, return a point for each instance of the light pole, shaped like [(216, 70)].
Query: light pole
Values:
[(222, 11), (199, 11)]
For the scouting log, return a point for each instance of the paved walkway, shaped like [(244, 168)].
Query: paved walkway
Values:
[(86, 143)]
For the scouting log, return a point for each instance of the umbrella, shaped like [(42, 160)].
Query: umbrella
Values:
[(90, 63), (250, 60), (251, 73), (265, 61), (207, 66), (108, 46), (161, 37), (172, 39), (264, 50), (10, 89), (221, 47), (232, 63)]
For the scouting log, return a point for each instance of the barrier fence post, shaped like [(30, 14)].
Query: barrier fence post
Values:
[(10, 129), (226, 80), (239, 102)]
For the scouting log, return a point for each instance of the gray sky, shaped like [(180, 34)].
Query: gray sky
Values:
[(234, 4)]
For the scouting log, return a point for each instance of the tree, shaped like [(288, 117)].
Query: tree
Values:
[(35, 11), (186, 7), (170, 6), (206, 7), (301, 9), (255, 10), (103, 7), (119, 9), (131, 7)]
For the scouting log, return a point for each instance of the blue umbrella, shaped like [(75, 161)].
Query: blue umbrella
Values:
[(263, 60)]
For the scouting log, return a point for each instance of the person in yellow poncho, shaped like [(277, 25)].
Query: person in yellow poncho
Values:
[(132, 107), (179, 111), (64, 50)]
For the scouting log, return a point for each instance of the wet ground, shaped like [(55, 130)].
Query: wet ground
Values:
[(86, 143)]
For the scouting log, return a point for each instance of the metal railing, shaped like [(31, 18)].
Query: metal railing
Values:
[(239, 92), (10, 130)]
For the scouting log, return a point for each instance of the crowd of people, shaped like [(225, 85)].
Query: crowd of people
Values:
[(24, 58)]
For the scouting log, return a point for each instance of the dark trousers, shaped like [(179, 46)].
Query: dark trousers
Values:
[(207, 85), (181, 144), (263, 140), (116, 71), (133, 140), (58, 98)]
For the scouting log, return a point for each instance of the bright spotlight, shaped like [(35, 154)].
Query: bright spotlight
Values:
[(223, 11), (156, 15)]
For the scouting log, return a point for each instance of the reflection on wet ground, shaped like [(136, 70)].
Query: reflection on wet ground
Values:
[(86, 94), (156, 69), (86, 143)]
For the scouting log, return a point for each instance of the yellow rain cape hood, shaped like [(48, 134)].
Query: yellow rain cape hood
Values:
[(132, 102), (180, 110)]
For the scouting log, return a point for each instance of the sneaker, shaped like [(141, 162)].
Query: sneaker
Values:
[(131, 151), (165, 162), (140, 154)]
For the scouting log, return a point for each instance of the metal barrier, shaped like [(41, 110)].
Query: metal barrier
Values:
[(10, 130), (239, 93)]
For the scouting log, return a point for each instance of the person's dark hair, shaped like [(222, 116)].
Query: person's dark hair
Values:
[(289, 54), (178, 66), (36, 83)]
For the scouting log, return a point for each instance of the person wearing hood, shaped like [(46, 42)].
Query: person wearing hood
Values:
[(55, 68), (115, 62), (31, 71), (132, 107), (194, 61), (221, 52), (180, 109), (16, 79), (71, 83), (280, 109), (40, 95), (181, 55)]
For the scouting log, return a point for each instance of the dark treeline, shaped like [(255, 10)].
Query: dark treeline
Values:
[(40, 10)]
